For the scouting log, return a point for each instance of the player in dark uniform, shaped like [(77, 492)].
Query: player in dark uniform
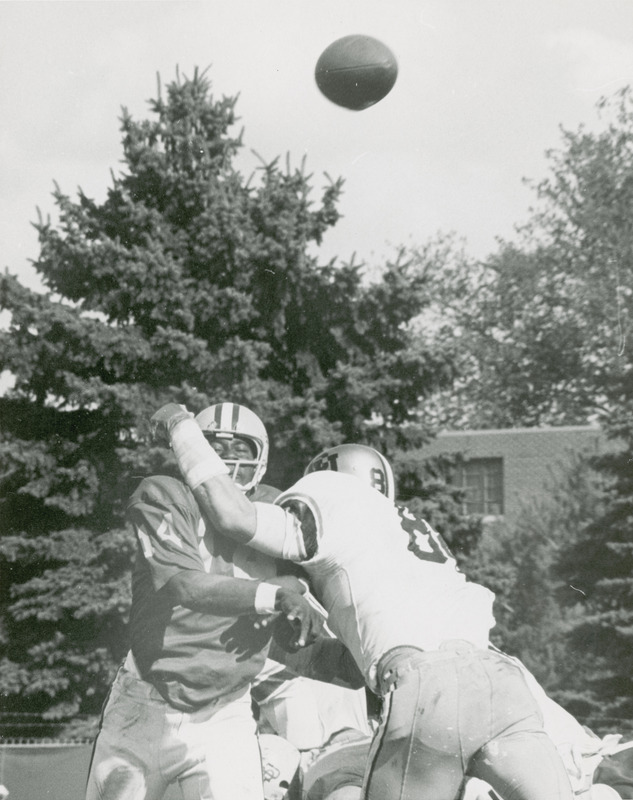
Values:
[(180, 707)]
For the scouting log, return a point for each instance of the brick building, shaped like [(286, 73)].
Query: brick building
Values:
[(503, 468)]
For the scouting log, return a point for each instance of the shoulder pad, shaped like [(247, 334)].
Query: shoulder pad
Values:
[(162, 489)]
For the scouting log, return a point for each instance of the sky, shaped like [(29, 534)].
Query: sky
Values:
[(483, 89)]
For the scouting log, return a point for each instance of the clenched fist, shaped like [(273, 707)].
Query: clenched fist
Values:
[(163, 421)]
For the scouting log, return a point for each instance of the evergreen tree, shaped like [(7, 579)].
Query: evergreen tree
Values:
[(537, 600), (191, 284), (600, 563)]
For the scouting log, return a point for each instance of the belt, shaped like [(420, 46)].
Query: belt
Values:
[(401, 661)]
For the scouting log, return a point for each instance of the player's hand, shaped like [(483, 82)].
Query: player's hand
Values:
[(303, 617), (245, 638), (289, 582), (163, 421)]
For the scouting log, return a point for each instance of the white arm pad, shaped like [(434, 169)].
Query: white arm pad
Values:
[(197, 460), (278, 533)]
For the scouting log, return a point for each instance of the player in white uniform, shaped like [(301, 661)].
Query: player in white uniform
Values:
[(582, 751), (417, 630), (596, 767), (590, 762)]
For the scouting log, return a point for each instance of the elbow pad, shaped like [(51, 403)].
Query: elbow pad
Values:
[(278, 533)]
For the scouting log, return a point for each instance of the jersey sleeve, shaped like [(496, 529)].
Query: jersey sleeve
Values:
[(167, 530), (286, 530), (306, 523)]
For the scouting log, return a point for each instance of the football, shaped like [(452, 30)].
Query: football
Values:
[(356, 71)]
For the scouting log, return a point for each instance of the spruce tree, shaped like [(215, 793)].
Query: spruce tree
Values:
[(600, 564), (189, 283)]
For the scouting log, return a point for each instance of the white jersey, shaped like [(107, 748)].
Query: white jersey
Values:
[(377, 594)]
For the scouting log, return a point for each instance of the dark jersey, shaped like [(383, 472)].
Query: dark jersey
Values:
[(191, 657)]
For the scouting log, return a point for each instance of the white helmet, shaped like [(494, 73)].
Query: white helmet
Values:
[(228, 420), (359, 460)]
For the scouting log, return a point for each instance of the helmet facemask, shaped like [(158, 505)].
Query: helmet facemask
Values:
[(232, 423), (235, 462)]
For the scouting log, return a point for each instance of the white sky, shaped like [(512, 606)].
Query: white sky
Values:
[(483, 88)]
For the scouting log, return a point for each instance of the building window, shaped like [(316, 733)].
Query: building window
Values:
[(482, 478)]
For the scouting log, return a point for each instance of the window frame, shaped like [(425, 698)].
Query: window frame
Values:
[(486, 476)]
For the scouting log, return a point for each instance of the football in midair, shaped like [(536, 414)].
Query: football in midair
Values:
[(356, 71)]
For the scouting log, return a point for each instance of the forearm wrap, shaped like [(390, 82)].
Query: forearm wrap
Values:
[(197, 460)]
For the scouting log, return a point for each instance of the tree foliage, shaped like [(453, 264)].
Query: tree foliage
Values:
[(600, 560), (585, 225), (538, 599), (544, 331), (544, 323), (188, 283)]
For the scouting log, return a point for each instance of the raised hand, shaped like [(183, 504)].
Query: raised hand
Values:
[(162, 422)]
